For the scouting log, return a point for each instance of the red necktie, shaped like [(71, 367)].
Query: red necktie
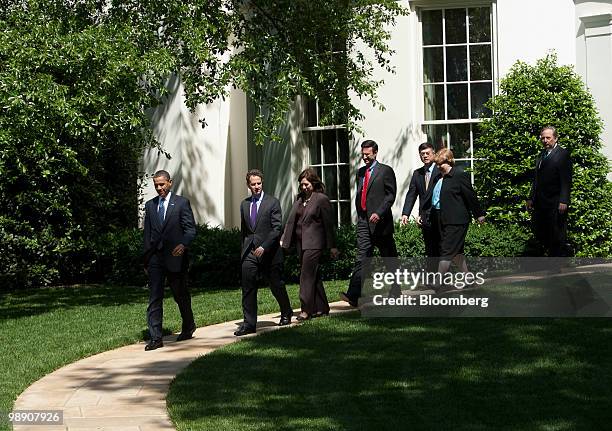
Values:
[(364, 190)]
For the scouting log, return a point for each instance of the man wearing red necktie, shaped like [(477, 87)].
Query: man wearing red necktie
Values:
[(376, 189)]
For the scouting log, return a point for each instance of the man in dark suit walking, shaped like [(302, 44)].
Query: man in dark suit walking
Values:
[(261, 222), (421, 186), (169, 228), (550, 194), (376, 189)]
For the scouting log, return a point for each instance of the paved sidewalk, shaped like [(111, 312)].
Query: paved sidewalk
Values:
[(125, 389)]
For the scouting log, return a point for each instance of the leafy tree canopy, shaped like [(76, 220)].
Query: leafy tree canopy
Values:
[(78, 76)]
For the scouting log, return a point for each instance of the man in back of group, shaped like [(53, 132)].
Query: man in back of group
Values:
[(376, 189), (421, 186), (550, 194), (261, 254)]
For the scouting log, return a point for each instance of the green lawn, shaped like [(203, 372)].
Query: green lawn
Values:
[(345, 372), (44, 329)]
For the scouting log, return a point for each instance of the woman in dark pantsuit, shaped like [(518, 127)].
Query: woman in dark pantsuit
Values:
[(453, 203), (311, 229)]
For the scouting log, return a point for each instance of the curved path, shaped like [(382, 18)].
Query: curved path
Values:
[(125, 389)]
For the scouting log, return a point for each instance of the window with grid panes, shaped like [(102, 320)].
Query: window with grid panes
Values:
[(457, 77), (328, 148)]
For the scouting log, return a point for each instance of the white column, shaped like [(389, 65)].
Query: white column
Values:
[(598, 69)]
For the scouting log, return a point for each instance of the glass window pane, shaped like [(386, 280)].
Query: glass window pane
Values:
[(480, 62), (330, 180), (329, 146), (345, 182), (480, 24), (434, 102), (314, 147), (456, 63), (460, 140), (433, 65), (334, 206), (432, 27), (481, 92), (345, 213), (343, 145), (455, 25), (457, 99), (436, 135), (311, 113)]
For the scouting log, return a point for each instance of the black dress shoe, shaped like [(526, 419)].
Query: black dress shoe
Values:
[(186, 335), (154, 344), (346, 298), (244, 330), (320, 314), (285, 320)]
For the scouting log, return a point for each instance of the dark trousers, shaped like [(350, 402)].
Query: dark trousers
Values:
[(253, 269), (550, 228), (178, 285), (365, 249), (431, 238), (312, 293)]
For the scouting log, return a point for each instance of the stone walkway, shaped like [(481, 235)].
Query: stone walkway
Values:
[(125, 389)]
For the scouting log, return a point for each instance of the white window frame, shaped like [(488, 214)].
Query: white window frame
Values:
[(322, 164), (421, 6)]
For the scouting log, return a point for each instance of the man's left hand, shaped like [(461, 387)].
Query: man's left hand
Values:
[(374, 218), (562, 207), (178, 250)]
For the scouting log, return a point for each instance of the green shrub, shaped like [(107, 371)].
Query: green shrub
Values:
[(215, 257), (72, 129), (530, 98), (116, 257)]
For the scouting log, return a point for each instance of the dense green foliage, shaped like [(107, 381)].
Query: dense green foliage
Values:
[(215, 260), (72, 128), (530, 98), (77, 79)]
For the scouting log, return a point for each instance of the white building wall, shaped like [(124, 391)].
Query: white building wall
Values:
[(201, 163), (527, 30)]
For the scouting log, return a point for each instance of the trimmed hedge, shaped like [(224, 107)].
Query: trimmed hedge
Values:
[(216, 261)]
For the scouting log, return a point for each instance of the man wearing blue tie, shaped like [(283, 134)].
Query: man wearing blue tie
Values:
[(169, 228), (261, 254)]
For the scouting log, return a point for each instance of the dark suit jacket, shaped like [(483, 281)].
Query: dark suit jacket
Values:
[(318, 227), (178, 228), (267, 230), (380, 196), (417, 188), (458, 199), (552, 180)]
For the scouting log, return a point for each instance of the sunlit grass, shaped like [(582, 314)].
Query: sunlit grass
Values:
[(43, 329)]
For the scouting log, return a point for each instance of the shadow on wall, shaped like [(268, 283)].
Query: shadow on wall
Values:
[(196, 145), (180, 136), (278, 166), (406, 148)]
